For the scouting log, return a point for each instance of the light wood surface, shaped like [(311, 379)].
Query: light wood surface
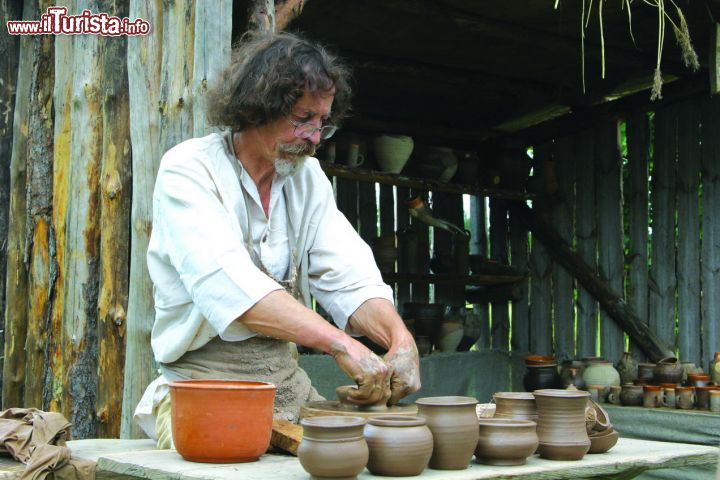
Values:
[(629, 457), (286, 436)]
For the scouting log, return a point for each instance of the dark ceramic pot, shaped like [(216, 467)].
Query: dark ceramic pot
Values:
[(645, 373), (541, 376), (454, 426), (668, 370), (631, 395)]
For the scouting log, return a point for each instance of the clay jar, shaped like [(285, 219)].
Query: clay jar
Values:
[(453, 423), (685, 397), (515, 405), (236, 419), (645, 373), (668, 370), (601, 372), (399, 445), (698, 379), (561, 425), (702, 397), (505, 441), (333, 446)]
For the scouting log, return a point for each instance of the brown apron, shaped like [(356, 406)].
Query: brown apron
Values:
[(259, 358)]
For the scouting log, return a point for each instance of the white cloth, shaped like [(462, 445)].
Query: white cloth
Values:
[(202, 273)]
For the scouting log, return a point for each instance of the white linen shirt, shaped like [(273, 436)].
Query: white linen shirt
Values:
[(202, 273)]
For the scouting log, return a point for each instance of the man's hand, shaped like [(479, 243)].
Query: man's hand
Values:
[(405, 377), (371, 374)]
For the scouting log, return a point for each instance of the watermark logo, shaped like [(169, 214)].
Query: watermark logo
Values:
[(56, 21)]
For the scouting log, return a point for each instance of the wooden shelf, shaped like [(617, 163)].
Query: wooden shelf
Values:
[(364, 175), (451, 279)]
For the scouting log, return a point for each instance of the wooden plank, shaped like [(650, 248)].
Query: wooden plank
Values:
[(611, 259), (638, 143), (586, 242), (540, 283), (400, 195), (10, 51), (212, 37), (500, 326), (562, 218), (520, 320), (710, 246), (144, 60), (40, 237), (367, 211), (15, 313), (286, 436), (115, 203), (629, 455), (421, 291), (714, 64), (662, 201), (450, 208), (478, 246), (688, 228)]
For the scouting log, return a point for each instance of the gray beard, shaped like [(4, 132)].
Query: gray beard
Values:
[(291, 157), (285, 167)]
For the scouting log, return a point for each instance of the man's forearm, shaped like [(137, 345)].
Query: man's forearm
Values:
[(377, 319)]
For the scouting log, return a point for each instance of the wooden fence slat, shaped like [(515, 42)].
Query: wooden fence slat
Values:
[(13, 388), (562, 217), (610, 232), (367, 211), (688, 229), (402, 289), (40, 240), (638, 143), (10, 52), (144, 58), (662, 199), (586, 241), (540, 283), (212, 40), (421, 291), (449, 207), (115, 203), (520, 338), (478, 246), (710, 247), (500, 329)]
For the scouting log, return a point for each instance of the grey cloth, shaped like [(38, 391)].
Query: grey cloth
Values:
[(256, 359)]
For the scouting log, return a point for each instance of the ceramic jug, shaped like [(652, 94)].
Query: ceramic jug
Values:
[(601, 373)]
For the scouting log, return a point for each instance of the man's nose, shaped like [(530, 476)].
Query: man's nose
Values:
[(315, 137)]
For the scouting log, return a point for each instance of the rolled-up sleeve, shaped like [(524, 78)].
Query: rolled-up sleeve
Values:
[(342, 270), (205, 247)]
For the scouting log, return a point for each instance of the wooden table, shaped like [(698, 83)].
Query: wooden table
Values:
[(138, 459)]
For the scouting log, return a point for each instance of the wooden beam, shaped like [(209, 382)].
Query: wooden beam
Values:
[(609, 299), (286, 11), (714, 60)]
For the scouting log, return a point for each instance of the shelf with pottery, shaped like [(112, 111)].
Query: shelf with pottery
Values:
[(376, 176)]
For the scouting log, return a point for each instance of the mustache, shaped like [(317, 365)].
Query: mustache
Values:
[(304, 148)]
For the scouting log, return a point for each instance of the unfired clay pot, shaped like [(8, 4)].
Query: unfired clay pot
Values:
[(561, 425), (236, 419), (399, 445), (333, 446), (504, 441), (453, 423), (516, 405)]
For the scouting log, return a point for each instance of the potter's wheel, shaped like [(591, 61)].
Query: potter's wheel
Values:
[(335, 407)]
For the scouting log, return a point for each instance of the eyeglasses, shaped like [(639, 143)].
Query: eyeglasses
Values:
[(307, 130)]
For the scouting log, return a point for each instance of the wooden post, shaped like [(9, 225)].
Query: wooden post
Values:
[(144, 59), (40, 238), (562, 217), (478, 246), (714, 60), (609, 299), (586, 240), (638, 138), (13, 388), (610, 233), (500, 331), (520, 339), (688, 228), (710, 247), (9, 50)]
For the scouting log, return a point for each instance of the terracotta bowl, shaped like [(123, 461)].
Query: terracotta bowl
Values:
[(221, 421), (603, 441), (540, 360), (505, 441)]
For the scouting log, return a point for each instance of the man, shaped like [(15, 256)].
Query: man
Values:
[(245, 225)]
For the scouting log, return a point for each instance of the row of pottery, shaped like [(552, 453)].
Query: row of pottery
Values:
[(665, 395)]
